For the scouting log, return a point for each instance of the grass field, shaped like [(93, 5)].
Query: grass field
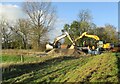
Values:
[(15, 59), (99, 68)]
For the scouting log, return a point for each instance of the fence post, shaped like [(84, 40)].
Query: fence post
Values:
[(22, 58)]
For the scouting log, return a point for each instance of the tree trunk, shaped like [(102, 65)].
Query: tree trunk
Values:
[(24, 44)]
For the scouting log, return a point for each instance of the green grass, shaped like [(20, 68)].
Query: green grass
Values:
[(14, 58), (100, 68)]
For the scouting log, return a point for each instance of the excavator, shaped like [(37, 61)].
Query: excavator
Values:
[(56, 43), (87, 35), (56, 46), (86, 49), (100, 45)]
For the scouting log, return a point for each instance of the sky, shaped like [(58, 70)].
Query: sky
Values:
[(102, 12)]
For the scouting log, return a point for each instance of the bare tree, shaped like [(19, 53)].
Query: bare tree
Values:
[(6, 33), (85, 16), (22, 30), (42, 16), (85, 19)]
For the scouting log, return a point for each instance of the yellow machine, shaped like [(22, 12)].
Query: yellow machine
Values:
[(55, 47), (107, 46), (65, 34), (87, 35), (99, 44)]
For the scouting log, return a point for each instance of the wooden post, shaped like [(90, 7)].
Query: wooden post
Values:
[(22, 58)]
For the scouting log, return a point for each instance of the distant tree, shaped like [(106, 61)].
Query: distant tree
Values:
[(85, 16), (107, 33), (6, 34), (85, 19), (111, 33), (66, 27), (42, 16), (75, 29), (99, 31), (21, 32), (84, 24)]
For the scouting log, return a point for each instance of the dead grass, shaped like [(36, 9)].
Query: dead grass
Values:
[(20, 52)]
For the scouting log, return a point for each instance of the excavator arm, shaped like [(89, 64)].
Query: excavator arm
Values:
[(83, 34), (93, 36), (59, 38), (65, 34), (87, 35)]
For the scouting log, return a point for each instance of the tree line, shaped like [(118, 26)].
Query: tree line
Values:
[(32, 33), (107, 33)]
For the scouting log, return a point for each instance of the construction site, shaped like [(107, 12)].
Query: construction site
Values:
[(63, 63), (43, 47), (73, 49)]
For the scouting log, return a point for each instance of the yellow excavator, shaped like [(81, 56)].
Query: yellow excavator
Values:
[(86, 49), (100, 44)]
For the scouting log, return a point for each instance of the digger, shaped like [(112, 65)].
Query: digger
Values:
[(55, 47), (56, 43), (100, 46), (86, 48)]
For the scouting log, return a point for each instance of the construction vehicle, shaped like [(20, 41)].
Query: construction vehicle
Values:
[(87, 48), (100, 45), (105, 46), (55, 47), (56, 43)]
